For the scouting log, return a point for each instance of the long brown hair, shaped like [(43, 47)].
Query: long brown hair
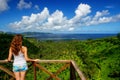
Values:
[(16, 44)]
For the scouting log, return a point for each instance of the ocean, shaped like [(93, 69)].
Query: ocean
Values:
[(70, 36)]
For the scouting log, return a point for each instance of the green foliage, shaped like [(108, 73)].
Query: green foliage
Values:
[(118, 36), (5, 40), (98, 59)]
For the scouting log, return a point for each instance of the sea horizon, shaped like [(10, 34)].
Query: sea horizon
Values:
[(76, 36)]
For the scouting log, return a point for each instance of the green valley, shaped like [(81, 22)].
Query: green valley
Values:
[(98, 59)]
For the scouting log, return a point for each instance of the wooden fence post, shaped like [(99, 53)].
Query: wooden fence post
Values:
[(34, 69), (72, 72)]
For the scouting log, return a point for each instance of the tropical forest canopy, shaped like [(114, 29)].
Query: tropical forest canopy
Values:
[(98, 59)]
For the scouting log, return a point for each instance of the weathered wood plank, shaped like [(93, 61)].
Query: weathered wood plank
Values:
[(43, 61), (34, 70), (3, 61), (82, 77), (53, 61), (72, 72), (7, 71)]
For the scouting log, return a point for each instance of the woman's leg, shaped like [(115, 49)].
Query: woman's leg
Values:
[(17, 75), (22, 74)]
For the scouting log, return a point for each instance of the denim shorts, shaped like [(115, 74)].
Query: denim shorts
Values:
[(18, 68)]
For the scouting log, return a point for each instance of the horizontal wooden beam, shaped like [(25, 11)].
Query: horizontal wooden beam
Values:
[(53, 61), (7, 71), (43, 61), (3, 61)]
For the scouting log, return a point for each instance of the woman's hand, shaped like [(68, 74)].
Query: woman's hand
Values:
[(36, 60), (6, 60)]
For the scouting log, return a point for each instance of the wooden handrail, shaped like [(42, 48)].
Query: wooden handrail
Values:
[(73, 68), (54, 61), (3, 61), (78, 71), (43, 61), (7, 71)]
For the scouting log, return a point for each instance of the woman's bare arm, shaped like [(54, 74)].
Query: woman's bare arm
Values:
[(26, 55), (10, 55)]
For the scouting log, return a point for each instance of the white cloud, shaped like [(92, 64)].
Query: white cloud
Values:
[(99, 18), (105, 19), (22, 4), (100, 14), (116, 18), (82, 10), (56, 21), (36, 7), (71, 29), (28, 22), (3, 5)]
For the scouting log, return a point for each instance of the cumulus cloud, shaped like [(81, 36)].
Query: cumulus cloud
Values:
[(56, 21), (22, 4), (29, 22), (100, 17), (3, 5), (100, 14), (82, 10)]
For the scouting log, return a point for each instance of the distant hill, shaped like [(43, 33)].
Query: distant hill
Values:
[(27, 33), (34, 33), (1, 32), (62, 36), (53, 36)]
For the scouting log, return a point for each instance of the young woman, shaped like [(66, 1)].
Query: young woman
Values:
[(20, 57)]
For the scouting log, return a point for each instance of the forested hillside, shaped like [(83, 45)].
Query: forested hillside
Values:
[(98, 59)]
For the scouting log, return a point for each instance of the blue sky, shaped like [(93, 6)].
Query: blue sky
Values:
[(60, 16)]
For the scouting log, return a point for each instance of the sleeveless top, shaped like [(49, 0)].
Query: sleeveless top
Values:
[(19, 59)]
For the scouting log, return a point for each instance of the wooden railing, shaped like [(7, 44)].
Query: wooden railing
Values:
[(36, 64)]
